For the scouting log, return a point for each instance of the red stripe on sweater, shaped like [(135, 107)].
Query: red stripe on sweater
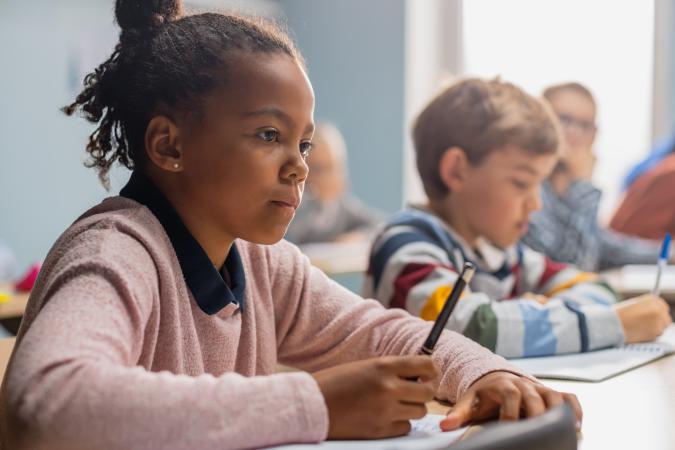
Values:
[(411, 274), (515, 272), (551, 269)]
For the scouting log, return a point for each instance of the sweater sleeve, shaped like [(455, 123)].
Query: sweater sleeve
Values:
[(613, 249), (74, 381), (618, 249), (566, 227), (321, 324), (577, 317)]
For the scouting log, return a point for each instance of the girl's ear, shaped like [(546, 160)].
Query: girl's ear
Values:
[(162, 144), (452, 168)]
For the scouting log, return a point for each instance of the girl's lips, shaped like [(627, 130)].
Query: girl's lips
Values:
[(287, 204)]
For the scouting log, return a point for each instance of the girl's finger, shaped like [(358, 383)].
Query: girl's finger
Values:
[(461, 413)]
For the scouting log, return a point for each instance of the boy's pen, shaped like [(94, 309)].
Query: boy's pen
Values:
[(661, 264), (464, 279)]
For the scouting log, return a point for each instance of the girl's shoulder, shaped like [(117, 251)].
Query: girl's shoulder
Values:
[(271, 257), (116, 231)]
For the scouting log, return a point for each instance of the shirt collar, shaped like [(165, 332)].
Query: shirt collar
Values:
[(207, 285)]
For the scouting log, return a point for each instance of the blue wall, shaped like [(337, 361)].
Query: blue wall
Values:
[(43, 183), (355, 53)]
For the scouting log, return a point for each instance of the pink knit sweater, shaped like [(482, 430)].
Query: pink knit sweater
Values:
[(114, 353)]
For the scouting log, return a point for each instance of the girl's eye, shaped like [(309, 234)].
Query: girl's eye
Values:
[(269, 135), (305, 148)]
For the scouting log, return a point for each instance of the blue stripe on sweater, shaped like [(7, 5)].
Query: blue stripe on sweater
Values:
[(538, 338), (583, 324), (379, 259)]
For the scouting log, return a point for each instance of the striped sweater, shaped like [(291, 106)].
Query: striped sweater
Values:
[(518, 304)]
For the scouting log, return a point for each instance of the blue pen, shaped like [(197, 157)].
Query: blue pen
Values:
[(661, 264)]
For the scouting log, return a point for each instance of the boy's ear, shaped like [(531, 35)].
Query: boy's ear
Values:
[(452, 168), (162, 144)]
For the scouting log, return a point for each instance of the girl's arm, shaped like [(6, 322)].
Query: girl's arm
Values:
[(321, 324), (74, 381)]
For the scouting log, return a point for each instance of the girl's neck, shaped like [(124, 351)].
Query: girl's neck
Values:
[(213, 241)]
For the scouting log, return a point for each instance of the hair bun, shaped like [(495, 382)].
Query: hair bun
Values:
[(146, 15)]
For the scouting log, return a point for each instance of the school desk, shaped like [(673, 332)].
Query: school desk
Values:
[(6, 346), (634, 410), (335, 258), (636, 279)]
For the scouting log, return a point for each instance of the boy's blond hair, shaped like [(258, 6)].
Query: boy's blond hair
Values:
[(480, 117)]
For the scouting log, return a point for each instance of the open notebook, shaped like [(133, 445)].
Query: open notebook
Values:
[(425, 434), (601, 364)]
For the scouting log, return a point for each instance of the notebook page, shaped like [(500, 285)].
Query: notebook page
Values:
[(601, 364), (425, 434)]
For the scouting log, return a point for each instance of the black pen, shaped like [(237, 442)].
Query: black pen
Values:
[(464, 279)]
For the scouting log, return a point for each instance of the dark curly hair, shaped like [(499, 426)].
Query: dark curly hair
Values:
[(164, 62)]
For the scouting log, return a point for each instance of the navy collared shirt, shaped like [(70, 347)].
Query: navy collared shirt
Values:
[(208, 286)]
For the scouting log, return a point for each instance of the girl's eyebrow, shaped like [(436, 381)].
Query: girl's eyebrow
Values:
[(280, 114)]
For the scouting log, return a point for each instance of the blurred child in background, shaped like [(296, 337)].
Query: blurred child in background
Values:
[(567, 229), (329, 213)]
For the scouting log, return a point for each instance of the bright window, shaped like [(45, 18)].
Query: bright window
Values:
[(607, 46)]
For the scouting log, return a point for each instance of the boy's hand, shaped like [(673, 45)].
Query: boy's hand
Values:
[(507, 396), (579, 162), (375, 398), (536, 297), (643, 318)]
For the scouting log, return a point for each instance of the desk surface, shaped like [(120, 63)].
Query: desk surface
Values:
[(338, 258), (16, 305), (634, 280), (635, 410), (6, 346)]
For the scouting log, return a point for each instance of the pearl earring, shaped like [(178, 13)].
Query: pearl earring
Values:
[(176, 165)]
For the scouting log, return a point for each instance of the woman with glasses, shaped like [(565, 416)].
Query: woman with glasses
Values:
[(566, 228)]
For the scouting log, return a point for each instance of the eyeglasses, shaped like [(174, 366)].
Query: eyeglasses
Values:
[(585, 126)]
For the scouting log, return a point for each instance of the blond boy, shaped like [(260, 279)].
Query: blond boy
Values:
[(483, 149)]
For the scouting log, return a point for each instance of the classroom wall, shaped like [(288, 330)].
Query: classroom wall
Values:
[(663, 107), (671, 59), (355, 62), (44, 46), (355, 53)]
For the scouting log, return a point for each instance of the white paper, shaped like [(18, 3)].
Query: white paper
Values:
[(425, 434), (601, 364)]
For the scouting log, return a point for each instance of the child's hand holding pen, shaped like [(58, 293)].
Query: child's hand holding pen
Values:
[(373, 398)]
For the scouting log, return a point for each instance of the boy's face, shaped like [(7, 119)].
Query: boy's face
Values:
[(497, 196), (577, 117)]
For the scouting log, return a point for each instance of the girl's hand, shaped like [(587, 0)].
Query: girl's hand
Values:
[(375, 398), (507, 396)]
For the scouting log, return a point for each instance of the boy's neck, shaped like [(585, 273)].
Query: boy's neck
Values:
[(443, 208)]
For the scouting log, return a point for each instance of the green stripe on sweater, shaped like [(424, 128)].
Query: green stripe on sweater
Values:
[(482, 327)]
